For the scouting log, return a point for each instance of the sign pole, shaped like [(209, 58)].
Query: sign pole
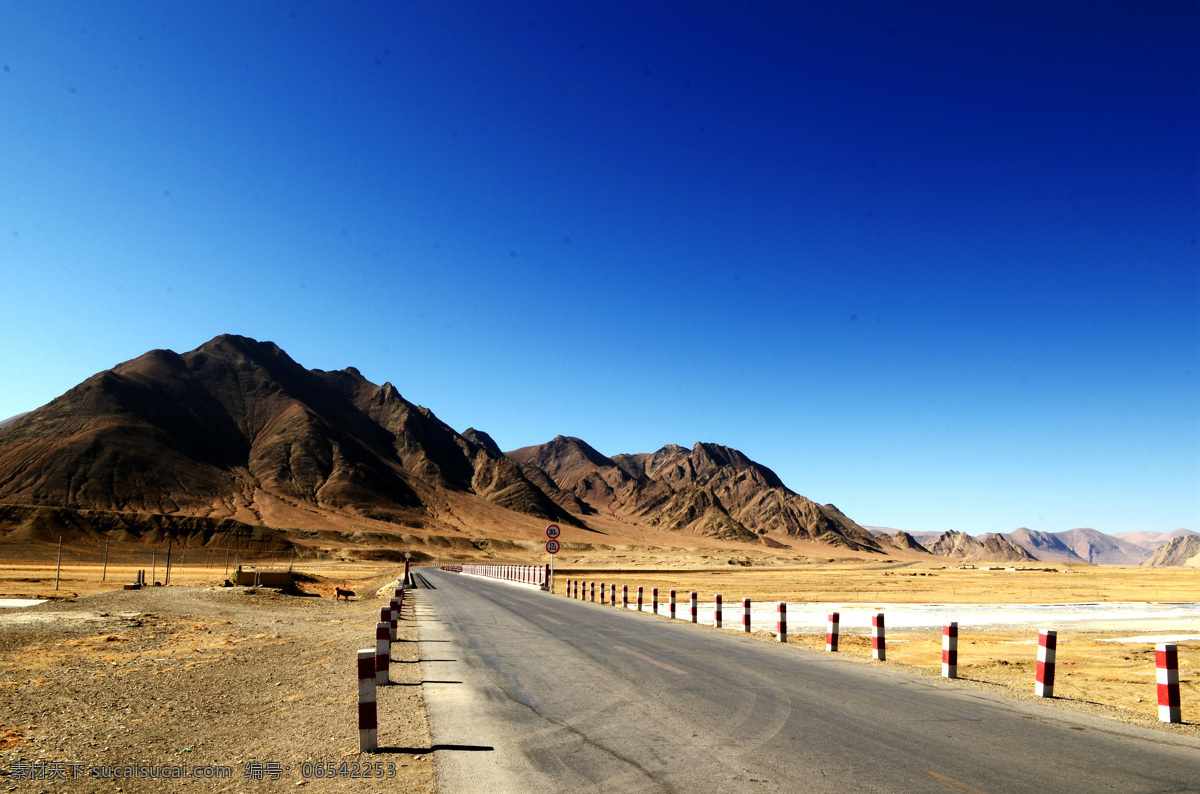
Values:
[(552, 547)]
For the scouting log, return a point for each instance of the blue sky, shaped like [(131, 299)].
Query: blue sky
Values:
[(935, 263)]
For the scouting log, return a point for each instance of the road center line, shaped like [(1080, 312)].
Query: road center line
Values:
[(645, 658), (552, 620), (951, 782)]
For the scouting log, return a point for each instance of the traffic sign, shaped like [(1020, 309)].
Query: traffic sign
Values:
[(552, 546), (553, 532)]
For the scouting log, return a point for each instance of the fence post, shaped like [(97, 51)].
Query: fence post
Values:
[(717, 610), (368, 716), (1166, 662), (831, 633), (382, 649), (878, 642), (672, 604), (781, 622), (695, 608), (950, 650), (1047, 645)]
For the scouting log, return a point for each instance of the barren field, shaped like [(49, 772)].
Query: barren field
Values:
[(250, 679), (1090, 670)]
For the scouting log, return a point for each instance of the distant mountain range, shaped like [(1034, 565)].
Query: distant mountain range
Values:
[(1074, 545)]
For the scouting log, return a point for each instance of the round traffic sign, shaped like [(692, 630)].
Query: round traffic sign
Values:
[(552, 546), (553, 531)]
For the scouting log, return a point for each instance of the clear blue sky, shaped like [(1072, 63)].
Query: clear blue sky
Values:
[(935, 263)]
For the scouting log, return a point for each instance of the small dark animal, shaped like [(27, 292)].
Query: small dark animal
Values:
[(343, 593)]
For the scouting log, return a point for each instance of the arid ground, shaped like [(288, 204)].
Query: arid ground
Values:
[(204, 676), (199, 674)]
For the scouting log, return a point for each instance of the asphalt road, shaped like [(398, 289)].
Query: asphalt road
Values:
[(531, 692)]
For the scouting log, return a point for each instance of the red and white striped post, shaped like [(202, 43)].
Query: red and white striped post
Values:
[(950, 650), (672, 605), (878, 642), (781, 621), (746, 614), (382, 652), (624, 596), (602, 592), (695, 608), (717, 610), (831, 633), (1166, 660), (654, 600), (368, 716), (1047, 644), (592, 585), (392, 610), (612, 588), (639, 598), (576, 588)]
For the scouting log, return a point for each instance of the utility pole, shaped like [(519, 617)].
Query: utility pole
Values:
[(104, 572)]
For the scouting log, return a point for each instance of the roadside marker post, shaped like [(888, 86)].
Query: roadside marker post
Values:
[(950, 650), (717, 610), (781, 622), (394, 623), (672, 605), (654, 600), (878, 642), (1047, 648), (695, 608), (639, 598), (552, 547), (624, 596), (612, 591), (368, 715), (746, 615), (1166, 662), (382, 649), (602, 592), (592, 585), (831, 633)]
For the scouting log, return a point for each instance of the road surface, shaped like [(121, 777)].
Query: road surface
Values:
[(530, 692)]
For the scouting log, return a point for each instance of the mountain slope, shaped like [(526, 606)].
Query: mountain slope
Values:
[(709, 489), (238, 429), (1179, 550)]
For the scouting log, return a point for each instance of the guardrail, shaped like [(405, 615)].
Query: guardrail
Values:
[(536, 575)]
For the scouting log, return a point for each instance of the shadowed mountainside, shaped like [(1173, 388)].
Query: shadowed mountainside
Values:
[(709, 490), (237, 429)]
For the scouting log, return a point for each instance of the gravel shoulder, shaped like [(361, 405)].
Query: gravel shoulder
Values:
[(255, 680)]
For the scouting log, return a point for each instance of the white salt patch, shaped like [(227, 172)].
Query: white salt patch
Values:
[(17, 603)]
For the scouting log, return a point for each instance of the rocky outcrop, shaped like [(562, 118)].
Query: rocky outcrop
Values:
[(1179, 551)]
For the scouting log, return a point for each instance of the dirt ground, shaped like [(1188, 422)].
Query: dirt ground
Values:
[(189, 674)]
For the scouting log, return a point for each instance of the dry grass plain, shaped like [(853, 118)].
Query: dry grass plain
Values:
[(1090, 670)]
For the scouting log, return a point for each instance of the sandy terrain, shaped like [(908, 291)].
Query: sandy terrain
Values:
[(203, 676)]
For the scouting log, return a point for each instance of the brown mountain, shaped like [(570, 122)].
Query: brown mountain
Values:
[(205, 446), (710, 490), (962, 546), (237, 429), (1179, 550)]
